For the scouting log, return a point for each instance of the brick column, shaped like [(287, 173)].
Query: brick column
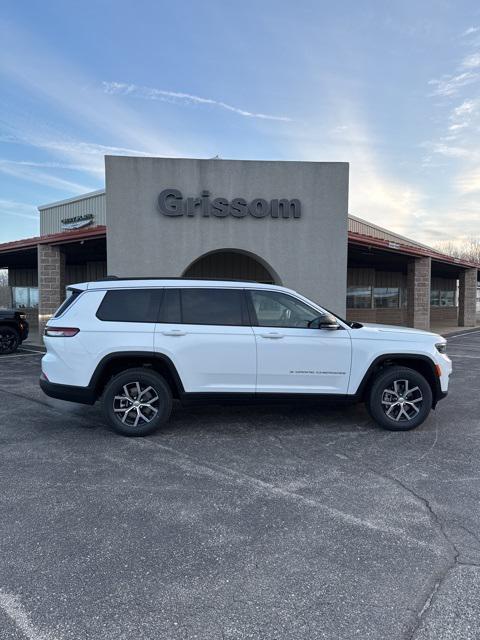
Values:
[(418, 293), (51, 282), (467, 298)]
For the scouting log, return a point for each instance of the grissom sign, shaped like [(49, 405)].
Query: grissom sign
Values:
[(172, 203)]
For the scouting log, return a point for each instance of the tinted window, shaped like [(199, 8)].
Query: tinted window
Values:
[(72, 294), (129, 305), (170, 310), (212, 306), (280, 310)]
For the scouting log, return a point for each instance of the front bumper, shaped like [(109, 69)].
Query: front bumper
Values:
[(70, 393)]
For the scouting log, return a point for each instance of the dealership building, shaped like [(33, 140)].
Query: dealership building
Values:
[(285, 223)]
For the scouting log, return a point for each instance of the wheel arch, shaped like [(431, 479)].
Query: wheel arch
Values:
[(115, 363), (420, 363)]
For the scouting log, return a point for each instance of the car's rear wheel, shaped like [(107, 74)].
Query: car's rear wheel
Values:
[(137, 402), (9, 340), (400, 399)]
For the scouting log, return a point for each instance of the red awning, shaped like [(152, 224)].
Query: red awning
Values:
[(63, 237)]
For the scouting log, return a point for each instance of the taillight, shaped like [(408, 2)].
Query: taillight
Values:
[(61, 332)]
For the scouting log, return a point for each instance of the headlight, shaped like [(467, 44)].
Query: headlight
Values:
[(441, 347)]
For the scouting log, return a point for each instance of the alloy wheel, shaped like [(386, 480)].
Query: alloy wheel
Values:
[(7, 341), (401, 402), (137, 405)]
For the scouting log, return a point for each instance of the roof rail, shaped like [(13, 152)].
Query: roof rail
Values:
[(107, 278)]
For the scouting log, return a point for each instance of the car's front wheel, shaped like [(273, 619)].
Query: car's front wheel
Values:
[(137, 402), (400, 399), (9, 340)]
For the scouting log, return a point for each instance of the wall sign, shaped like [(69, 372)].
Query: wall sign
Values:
[(172, 203), (77, 222)]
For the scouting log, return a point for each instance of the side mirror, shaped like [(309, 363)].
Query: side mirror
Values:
[(325, 321)]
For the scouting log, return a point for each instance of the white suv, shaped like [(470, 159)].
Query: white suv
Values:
[(137, 344)]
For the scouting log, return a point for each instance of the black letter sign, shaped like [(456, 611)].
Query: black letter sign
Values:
[(170, 202)]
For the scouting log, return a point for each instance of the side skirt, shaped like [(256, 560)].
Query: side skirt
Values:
[(189, 399)]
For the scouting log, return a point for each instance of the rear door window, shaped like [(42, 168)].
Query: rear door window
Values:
[(204, 306), (130, 305)]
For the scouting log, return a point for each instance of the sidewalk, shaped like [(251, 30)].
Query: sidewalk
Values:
[(451, 330)]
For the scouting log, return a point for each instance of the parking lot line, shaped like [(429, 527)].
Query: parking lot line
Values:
[(23, 355)]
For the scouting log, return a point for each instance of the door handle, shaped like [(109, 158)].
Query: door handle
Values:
[(273, 335), (174, 332)]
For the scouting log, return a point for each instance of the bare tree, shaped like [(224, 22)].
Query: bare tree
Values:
[(3, 277), (466, 250)]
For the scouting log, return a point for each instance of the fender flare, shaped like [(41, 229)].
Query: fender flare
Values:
[(119, 355), (385, 357)]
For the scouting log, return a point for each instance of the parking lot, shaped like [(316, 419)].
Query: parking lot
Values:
[(233, 523)]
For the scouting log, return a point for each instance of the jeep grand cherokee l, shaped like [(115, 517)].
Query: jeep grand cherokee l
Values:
[(137, 344)]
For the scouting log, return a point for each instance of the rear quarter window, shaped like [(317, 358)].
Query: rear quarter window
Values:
[(130, 305), (72, 295)]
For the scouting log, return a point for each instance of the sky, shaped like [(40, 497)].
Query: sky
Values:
[(392, 87)]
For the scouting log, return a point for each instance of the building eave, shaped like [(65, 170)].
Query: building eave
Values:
[(63, 237), (416, 251)]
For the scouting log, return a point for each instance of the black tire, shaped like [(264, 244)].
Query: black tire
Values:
[(397, 406), (121, 394), (9, 340)]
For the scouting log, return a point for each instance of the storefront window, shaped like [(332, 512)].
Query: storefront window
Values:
[(359, 297), (440, 298), (25, 297), (386, 297)]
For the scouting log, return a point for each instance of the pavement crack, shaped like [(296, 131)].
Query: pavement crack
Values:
[(452, 559), (224, 473)]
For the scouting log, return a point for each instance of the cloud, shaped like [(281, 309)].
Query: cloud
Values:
[(448, 150), (149, 93), (450, 85), (27, 62), (472, 61), (40, 177), (468, 182), (470, 31), (82, 155), (375, 194), (18, 209)]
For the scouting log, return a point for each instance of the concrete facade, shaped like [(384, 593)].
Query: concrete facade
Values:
[(418, 293), (51, 280), (467, 298), (308, 253)]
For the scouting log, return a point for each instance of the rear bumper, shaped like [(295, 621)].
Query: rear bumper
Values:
[(70, 393), (24, 332)]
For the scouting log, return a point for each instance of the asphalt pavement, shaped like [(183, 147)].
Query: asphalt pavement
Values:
[(239, 523)]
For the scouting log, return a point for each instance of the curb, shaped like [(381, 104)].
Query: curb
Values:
[(460, 332)]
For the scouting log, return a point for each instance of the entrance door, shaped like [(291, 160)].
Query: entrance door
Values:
[(292, 355)]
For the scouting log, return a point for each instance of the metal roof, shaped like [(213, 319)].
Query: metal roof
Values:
[(54, 239), (84, 196)]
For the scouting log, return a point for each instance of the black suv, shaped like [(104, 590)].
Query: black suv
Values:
[(13, 330)]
